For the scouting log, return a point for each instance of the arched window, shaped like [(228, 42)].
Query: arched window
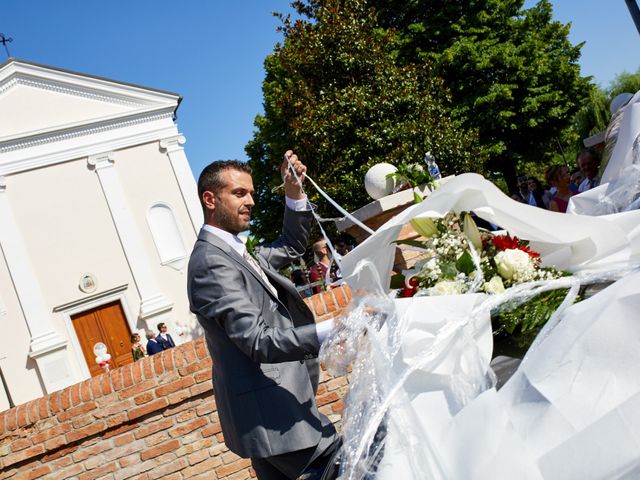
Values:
[(167, 235)]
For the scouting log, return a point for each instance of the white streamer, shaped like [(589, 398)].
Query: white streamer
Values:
[(334, 257)]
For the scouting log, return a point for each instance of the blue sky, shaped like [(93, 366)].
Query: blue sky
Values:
[(212, 52)]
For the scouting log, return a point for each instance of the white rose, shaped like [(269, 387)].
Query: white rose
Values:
[(514, 262), (494, 286), (446, 287)]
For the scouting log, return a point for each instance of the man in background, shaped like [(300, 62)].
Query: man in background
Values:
[(152, 344), (589, 163), (322, 265), (522, 194), (164, 339)]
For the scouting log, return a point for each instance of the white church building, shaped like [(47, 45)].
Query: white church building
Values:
[(98, 214)]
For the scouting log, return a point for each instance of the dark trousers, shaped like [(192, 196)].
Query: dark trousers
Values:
[(291, 465)]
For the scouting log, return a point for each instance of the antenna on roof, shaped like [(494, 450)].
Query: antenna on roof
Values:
[(4, 40)]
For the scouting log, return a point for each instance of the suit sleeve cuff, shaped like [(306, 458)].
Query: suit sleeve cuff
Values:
[(297, 205)]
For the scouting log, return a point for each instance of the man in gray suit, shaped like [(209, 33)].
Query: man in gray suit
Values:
[(260, 333)]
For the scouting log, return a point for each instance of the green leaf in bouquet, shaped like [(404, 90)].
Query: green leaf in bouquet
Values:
[(449, 270), (398, 179), (412, 243), (417, 198), (465, 263), (424, 226), (524, 321), (397, 281)]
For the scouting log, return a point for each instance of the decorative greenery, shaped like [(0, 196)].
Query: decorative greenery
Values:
[(412, 175), (251, 243), (523, 322)]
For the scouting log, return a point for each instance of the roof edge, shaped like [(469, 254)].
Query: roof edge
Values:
[(12, 60)]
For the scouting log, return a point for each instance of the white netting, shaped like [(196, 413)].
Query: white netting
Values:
[(421, 402), (397, 353)]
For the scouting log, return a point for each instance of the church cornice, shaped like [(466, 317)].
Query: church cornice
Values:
[(68, 89), (83, 129), (15, 72), (83, 143)]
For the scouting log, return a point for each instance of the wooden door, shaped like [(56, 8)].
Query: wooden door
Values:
[(106, 324)]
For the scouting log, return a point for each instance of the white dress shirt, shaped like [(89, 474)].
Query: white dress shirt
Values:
[(588, 184)]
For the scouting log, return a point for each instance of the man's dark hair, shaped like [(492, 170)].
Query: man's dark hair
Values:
[(595, 154), (210, 178), (160, 325)]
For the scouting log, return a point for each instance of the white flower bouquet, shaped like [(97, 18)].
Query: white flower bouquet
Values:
[(460, 258)]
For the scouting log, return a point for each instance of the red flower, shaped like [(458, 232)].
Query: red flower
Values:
[(506, 242), (411, 289), (532, 254)]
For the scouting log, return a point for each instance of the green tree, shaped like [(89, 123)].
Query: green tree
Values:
[(624, 82), (335, 92), (513, 73), (594, 116)]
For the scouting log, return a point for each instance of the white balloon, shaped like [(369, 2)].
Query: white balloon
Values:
[(99, 349), (376, 182)]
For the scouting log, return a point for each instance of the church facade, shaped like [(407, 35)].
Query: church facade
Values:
[(98, 213)]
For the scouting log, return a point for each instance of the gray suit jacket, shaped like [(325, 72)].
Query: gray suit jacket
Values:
[(264, 348)]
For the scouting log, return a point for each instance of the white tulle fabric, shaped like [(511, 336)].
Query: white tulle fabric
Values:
[(419, 367)]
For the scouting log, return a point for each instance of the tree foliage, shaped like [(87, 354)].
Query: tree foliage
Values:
[(513, 73), (624, 82), (594, 116), (335, 92)]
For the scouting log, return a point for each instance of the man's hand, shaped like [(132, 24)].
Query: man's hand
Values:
[(292, 188)]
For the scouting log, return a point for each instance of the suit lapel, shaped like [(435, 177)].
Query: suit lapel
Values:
[(276, 278), (233, 255)]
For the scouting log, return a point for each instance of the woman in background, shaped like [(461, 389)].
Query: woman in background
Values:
[(558, 176), (538, 196), (137, 350)]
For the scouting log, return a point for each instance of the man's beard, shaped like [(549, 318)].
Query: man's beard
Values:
[(228, 222)]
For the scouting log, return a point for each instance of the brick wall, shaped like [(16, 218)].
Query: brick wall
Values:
[(155, 418)]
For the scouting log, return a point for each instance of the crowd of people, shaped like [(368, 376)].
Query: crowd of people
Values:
[(155, 343), (561, 184)]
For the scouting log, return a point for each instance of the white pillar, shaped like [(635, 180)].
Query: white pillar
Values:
[(187, 184), (153, 304), (48, 347)]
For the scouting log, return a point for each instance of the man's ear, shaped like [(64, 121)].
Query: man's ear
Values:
[(209, 200)]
